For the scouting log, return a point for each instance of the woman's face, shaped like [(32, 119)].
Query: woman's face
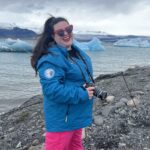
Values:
[(63, 34)]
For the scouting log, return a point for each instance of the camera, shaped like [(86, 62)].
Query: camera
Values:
[(97, 91)]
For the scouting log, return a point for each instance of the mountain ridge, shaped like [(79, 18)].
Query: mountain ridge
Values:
[(17, 32)]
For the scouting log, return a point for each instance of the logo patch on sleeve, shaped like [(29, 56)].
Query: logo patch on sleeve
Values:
[(49, 73)]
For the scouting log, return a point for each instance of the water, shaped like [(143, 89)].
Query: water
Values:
[(115, 59), (18, 81)]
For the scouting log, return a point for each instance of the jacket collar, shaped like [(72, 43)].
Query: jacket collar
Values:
[(62, 49)]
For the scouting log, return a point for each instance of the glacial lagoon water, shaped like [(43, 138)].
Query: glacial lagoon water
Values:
[(18, 81)]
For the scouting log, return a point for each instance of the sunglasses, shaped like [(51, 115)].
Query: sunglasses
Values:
[(61, 32)]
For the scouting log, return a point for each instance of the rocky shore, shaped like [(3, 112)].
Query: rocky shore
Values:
[(122, 122)]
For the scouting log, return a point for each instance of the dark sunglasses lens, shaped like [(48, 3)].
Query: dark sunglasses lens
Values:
[(61, 33), (69, 29)]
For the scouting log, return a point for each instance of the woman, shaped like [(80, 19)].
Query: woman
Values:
[(63, 70)]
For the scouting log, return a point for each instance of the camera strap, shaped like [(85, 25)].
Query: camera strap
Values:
[(86, 67), (79, 68)]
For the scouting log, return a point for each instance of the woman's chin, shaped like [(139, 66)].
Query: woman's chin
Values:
[(68, 46)]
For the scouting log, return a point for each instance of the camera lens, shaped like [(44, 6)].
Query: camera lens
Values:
[(100, 94)]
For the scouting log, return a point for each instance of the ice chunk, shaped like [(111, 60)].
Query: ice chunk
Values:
[(133, 42), (93, 45), (20, 45), (10, 41), (5, 47), (11, 45)]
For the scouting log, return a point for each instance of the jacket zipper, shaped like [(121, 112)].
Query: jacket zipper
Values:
[(66, 117)]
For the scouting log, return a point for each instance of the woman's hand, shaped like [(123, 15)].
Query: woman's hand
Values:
[(90, 91)]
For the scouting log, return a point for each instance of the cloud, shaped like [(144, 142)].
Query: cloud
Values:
[(115, 16), (113, 6)]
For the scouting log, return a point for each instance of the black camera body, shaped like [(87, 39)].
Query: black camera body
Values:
[(97, 91)]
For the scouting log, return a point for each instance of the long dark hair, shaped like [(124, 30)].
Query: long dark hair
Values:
[(45, 40)]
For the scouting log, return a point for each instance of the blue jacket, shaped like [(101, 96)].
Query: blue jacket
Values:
[(66, 103)]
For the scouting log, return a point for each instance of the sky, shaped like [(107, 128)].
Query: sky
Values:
[(119, 17)]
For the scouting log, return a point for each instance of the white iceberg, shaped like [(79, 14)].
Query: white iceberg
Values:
[(133, 42), (10, 45), (5, 47), (93, 45)]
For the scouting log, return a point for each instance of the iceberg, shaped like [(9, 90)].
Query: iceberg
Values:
[(133, 42), (11, 45), (4, 47), (93, 45)]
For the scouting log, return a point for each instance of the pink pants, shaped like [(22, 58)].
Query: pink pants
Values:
[(70, 140)]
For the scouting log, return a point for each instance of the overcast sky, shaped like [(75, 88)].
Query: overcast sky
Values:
[(120, 17)]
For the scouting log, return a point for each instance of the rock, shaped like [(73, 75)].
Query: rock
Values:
[(107, 110), (11, 129), (138, 93), (146, 148), (147, 87), (110, 98), (123, 113), (124, 100), (38, 147), (121, 145), (35, 142), (119, 104), (98, 120), (133, 102), (18, 145)]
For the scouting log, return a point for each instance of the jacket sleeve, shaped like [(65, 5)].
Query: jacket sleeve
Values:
[(52, 79)]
